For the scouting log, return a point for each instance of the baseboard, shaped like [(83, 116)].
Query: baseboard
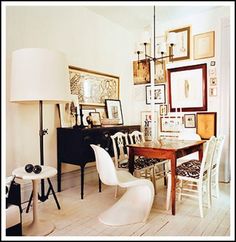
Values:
[(68, 180)]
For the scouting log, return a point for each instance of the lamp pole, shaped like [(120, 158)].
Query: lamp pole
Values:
[(42, 197)]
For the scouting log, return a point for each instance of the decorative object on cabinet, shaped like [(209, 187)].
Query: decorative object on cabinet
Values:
[(206, 124), (204, 45), (86, 112), (159, 94), (189, 120), (171, 124), (68, 112), (96, 119), (188, 88), (40, 76), (114, 110), (141, 72), (73, 147), (181, 49), (163, 109), (93, 87), (146, 124)]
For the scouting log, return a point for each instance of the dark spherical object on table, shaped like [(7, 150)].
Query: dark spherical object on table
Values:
[(29, 168), (37, 169)]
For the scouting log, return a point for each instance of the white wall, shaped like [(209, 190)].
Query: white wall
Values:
[(88, 40)]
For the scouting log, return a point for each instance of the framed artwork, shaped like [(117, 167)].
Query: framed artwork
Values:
[(212, 91), (146, 124), (67, 112), (102, 112), (188, 88), (159, 94), (204, 45), (213, 81), (86, 113), (114, 110), (96, 118), (163, 110), (93, 87), (171, 124), (160, 76), (212, 63), (189, 121), (212, 72), (206, 124), (181, 49), (141, 72)]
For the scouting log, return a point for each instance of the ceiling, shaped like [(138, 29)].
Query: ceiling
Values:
[(136, 17)]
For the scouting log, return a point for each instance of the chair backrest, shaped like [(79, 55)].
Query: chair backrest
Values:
[(105, 166), (207, 157), (218, 151), (119, 142), (136, 137), (189, 136)]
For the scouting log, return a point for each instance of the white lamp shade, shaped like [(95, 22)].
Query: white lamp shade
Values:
[(39, 74), (172, 38), (162, 47), (146, 37)]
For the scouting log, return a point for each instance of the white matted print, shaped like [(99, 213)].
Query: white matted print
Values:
[(171, 124), (146, 124), (113, 109), (159, 94)]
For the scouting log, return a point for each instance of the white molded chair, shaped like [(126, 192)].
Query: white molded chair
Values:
[(136, 203), (141, 168), (216, 164), (161, 167), (193, 177)]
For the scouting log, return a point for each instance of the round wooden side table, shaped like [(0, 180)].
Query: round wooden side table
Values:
[(37, 226)]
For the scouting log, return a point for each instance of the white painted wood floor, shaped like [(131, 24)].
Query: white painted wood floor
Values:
[(80, 217)]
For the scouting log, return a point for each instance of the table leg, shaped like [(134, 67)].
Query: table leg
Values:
[(131, 160), (200, 152), (37, 227), (173, 183)]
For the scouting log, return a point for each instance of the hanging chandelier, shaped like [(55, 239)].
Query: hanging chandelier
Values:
[(162, 47)]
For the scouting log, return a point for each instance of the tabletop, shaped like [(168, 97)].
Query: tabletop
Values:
[(47, 171), (167, 144)]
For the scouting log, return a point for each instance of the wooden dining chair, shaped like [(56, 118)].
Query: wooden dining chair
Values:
[(161, 167), (216, 165), (142, 169), (193, 177)]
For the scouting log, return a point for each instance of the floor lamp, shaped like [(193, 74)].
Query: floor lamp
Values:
[(41, 76)]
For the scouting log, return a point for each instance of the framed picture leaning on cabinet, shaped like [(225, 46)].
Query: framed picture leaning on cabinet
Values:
[(114, 110)]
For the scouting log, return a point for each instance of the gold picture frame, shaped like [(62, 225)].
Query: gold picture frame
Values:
[(181, 49), (93, 87), (163, 110), (206, 124), (141, 72), (204, 45), (160, 76)]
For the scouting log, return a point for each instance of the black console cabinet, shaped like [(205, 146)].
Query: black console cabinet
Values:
[(73, 146)]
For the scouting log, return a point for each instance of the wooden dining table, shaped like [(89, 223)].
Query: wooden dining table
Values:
[(165, 149)]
